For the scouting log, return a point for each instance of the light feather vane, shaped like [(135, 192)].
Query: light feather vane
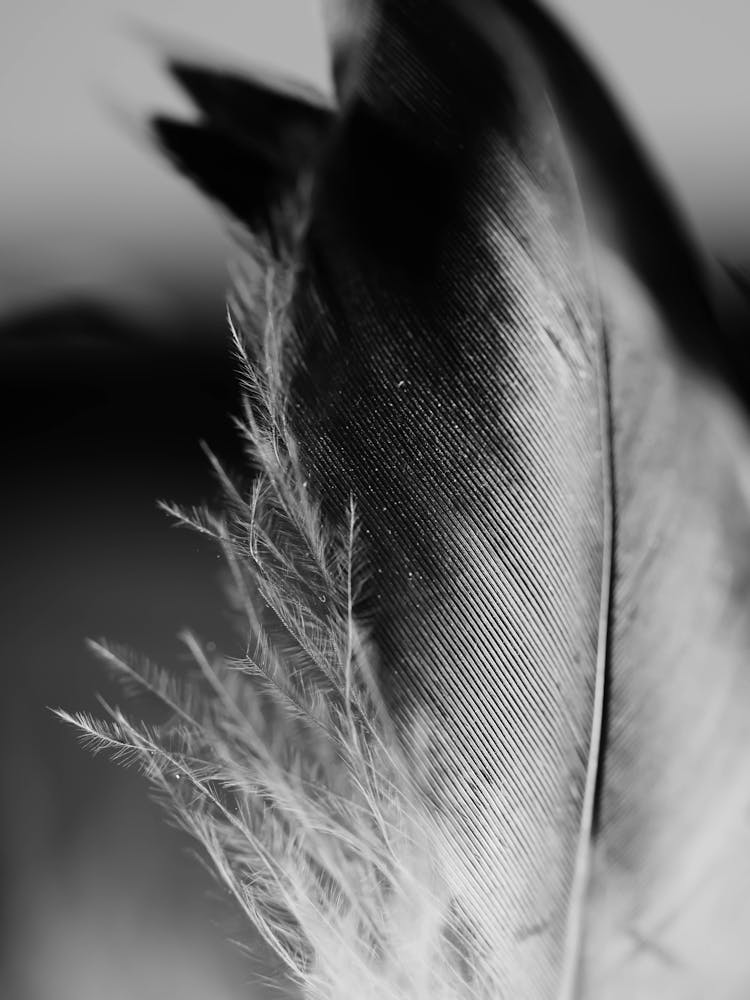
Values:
[(490, 736)]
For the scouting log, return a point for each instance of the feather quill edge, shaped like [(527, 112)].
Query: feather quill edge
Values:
[(579, 896)]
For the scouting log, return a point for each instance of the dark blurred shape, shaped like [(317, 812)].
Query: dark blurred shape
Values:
[(101, 417), (253, 139)]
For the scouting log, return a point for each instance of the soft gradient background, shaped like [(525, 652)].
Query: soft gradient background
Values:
[(114, 364)]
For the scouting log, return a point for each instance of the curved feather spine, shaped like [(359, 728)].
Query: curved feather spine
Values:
[(580, 894)]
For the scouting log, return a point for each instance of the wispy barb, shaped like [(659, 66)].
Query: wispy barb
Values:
[(284, 763)]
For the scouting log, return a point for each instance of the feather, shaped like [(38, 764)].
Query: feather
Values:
[(489, 736), (668, 910), (448, 368), (251, 141)]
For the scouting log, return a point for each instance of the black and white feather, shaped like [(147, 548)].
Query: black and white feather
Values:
[(491, 733)]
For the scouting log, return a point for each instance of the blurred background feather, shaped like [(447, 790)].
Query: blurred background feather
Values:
[(105, 399)]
